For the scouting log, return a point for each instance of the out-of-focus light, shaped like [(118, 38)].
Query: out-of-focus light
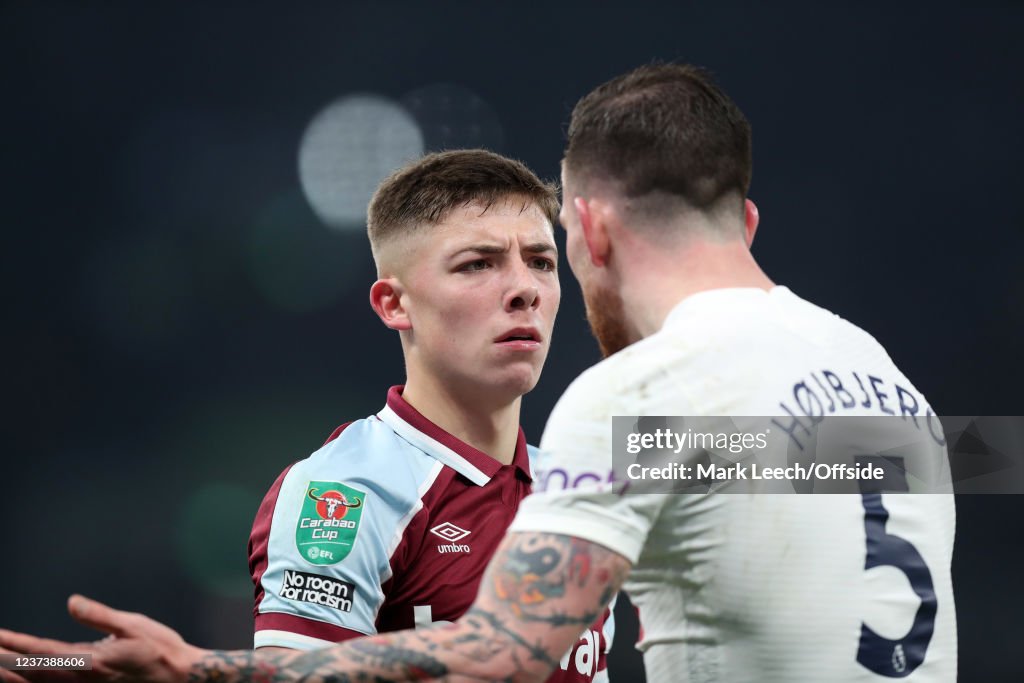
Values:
[(347, 149), (454, 117)]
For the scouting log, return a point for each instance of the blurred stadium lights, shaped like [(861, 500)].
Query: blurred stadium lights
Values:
[(347, 149), (454, 117), (351, 144)]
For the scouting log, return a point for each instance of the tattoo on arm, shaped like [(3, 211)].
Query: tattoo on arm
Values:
[(539, 593)]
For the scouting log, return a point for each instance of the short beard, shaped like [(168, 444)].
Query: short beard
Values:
[(607, 317)]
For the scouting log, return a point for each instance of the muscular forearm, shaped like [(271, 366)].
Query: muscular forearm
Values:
[(539, 593), (469, 650)]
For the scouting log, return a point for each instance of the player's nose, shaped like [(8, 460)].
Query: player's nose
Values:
[(522, 292), (523, 297)]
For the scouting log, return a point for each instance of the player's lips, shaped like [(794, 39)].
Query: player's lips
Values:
[(520, 338)]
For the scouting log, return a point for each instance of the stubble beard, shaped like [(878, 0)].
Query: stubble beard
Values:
[(607, 317)]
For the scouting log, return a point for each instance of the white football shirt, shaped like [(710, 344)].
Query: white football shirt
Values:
[(758, 587)]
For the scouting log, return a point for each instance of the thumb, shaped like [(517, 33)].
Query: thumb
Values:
[(99, 616)]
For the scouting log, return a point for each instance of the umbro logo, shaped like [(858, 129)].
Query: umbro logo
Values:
[(450, 532)]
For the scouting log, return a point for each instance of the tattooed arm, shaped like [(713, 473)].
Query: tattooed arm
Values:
[(539, 593)]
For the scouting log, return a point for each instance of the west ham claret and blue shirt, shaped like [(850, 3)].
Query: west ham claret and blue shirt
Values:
[(389, 525)]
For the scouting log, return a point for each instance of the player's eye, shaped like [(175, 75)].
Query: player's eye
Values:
[(471, 266), (541, 263)]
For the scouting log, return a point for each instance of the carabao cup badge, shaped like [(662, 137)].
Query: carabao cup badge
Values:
[(328, 522)]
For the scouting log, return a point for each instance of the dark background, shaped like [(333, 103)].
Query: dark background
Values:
[(180, 324)]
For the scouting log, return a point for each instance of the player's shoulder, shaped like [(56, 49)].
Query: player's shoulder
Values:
[(713, 347), (829, 322), (842, 339), (645, 371), (732, 334), (611, 387), (368, 451), (591, 391), (619, 369)]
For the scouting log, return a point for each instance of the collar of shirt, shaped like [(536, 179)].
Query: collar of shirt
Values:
[(471, 463)]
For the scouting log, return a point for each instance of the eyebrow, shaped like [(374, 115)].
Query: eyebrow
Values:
[(539, 247), (533, 248)]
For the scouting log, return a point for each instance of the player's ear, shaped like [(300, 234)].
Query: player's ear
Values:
[(386, 300), (751, 218), (594, 224)]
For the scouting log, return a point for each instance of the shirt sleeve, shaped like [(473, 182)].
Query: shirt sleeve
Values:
[(305, 601), (321, 546)]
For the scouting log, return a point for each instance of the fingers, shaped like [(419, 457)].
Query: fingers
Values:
[(6, 675), (25, 644), (38, 676), (99, 616), (30, 676), (11, 677)]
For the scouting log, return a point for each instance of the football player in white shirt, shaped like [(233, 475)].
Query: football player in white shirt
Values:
[(730, 587)]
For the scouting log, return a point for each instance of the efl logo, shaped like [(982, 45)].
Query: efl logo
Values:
[(450, 532)]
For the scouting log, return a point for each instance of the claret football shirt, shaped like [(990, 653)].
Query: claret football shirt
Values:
[(388, 526)]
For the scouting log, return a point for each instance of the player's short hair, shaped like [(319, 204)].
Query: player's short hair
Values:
[(425, 191), (662, 129)]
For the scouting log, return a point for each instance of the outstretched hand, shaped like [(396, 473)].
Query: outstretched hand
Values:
[(136, 649)]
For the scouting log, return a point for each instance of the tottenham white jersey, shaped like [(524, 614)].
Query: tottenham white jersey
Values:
[(757, 587)]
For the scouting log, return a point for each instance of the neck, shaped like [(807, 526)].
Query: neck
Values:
[(470, 416), (657, 279)]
